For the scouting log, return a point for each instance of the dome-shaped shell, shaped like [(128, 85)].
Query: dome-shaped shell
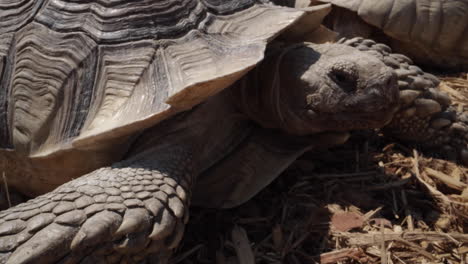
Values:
[(76, 73)]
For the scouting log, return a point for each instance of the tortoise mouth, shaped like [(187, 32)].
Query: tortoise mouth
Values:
[(363, 111), (354, 120), (377, 120)]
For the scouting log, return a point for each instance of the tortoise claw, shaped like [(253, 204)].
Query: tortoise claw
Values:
[(95, 230), (46, 246), (134, 220)]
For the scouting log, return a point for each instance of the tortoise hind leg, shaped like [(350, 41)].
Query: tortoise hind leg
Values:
[(123, 213)]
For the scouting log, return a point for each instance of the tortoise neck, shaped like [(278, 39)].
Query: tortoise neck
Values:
[(210, 131), (259, 94)]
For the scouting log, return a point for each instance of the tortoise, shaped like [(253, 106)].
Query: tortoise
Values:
[(117, 114), (431, 32)]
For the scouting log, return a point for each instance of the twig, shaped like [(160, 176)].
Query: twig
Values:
[(399, 259), (184, 255), (371, 213), (7, 192), (447, 180), (301, 239), (366, 239), (415, 161), (242, 246), (417, 248), (409, 217), (383, 249), (278, 237), (395, 205), (340, 255), (389, 185), (343, 175), (357, 161)]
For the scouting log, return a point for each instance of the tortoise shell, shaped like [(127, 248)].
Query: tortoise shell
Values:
[(76, 74), (426, 28)]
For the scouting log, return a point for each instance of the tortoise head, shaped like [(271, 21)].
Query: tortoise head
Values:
[(308, 88)]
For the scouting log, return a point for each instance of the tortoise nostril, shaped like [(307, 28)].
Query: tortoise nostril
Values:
[(340, 77)]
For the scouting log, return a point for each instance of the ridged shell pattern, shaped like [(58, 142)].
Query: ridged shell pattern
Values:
[(13, 15), (441, 25), (78, 72)]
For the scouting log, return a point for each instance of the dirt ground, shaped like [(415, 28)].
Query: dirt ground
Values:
[(369, 201)]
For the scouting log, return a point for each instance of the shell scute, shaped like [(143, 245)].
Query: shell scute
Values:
[(86, 72)]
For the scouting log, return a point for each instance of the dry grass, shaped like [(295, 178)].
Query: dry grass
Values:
[(370, 201)]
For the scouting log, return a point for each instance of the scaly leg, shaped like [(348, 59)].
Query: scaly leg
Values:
[(133, 210)]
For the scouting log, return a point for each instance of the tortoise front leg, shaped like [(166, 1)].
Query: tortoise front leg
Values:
[(132, 210)]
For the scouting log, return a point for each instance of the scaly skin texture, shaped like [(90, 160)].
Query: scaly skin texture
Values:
[(432, 33), (125, 212), (135, 210), (425, 115)]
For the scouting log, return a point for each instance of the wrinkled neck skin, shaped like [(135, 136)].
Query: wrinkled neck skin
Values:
[(258, 95), (209, 131), (213, 129)]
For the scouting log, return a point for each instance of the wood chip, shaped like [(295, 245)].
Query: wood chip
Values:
[(278, 238), (368, 239), (446, 88), (341, 255), (446, 179), (345, 221), (242, 246)]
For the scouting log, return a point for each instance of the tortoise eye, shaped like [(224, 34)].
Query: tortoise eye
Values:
[(345, 78)]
